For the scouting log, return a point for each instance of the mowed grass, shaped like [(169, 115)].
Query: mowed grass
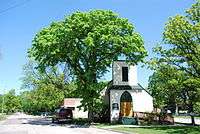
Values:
[(160, 130)]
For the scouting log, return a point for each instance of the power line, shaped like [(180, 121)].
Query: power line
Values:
[(14, 6)]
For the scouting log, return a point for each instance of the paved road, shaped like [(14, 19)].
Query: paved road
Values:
[(186, 120), (27, 124)]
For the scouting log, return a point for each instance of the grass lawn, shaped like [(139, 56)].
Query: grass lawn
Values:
[(160, 130)]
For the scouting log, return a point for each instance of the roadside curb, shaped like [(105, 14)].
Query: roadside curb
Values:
[(4, 120), (1, 122)]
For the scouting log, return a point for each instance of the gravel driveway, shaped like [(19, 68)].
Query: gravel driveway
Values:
[(27, 124)]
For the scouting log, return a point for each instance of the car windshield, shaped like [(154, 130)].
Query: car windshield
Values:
[(57, 110), (62, 110)]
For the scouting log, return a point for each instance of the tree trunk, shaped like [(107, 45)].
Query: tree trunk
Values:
[(91, 113), (90, 116), (89, 95), (192, 119), (176, 110), (191, 111)]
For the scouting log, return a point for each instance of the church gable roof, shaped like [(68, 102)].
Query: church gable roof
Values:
[(125, 87)]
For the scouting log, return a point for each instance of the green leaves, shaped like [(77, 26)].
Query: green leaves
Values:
[(194, 12), (165, 85), (181, 39), (44, 98), (10, 102), (179, 57), (182, 33), (85, 37)]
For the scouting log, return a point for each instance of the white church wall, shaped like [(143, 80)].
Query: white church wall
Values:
[(117, 74), (115, 98), (132, 74), (142, 101)]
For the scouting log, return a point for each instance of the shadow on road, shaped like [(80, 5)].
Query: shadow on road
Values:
[(38, 121), (48, 122)]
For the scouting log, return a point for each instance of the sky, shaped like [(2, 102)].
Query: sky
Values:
[(20, 20)]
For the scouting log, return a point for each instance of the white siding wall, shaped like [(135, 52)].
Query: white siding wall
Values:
[(142, 102)]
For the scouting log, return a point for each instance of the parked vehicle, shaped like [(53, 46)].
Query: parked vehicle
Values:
[(62, 114), (45, 114)]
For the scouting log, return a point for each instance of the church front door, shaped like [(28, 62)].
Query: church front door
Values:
[(126, 106)]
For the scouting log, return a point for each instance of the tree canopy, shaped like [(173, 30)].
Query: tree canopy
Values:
[(45, 90), (45, 98), (10, 102), (88, 41), (181, 37), (165, 86), (177, 65)]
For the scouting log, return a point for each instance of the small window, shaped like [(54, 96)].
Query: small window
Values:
[(125, 74), (115, 106)]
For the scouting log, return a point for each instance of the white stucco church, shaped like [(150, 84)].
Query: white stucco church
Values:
[(124, 95)]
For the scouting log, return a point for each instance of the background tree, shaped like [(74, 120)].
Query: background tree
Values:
[(88, 42), (46, 98), (12, 102), (57, 75), (182, 51), (45, 90), (165, 86)]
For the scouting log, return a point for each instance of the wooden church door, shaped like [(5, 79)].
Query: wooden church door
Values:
[(126, 106)]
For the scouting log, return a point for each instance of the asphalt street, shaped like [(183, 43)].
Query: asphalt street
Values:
[(26, 124), (20, 123)]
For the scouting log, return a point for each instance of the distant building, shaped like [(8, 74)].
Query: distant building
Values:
[(73, 103)]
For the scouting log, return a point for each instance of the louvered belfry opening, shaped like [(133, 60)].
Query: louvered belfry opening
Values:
[(125, 74)]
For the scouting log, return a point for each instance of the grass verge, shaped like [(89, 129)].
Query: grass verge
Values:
[(160, 130)]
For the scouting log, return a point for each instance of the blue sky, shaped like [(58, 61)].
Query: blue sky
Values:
[(19, 25)]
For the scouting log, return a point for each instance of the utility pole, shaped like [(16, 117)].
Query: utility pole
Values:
[(2, 105)]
